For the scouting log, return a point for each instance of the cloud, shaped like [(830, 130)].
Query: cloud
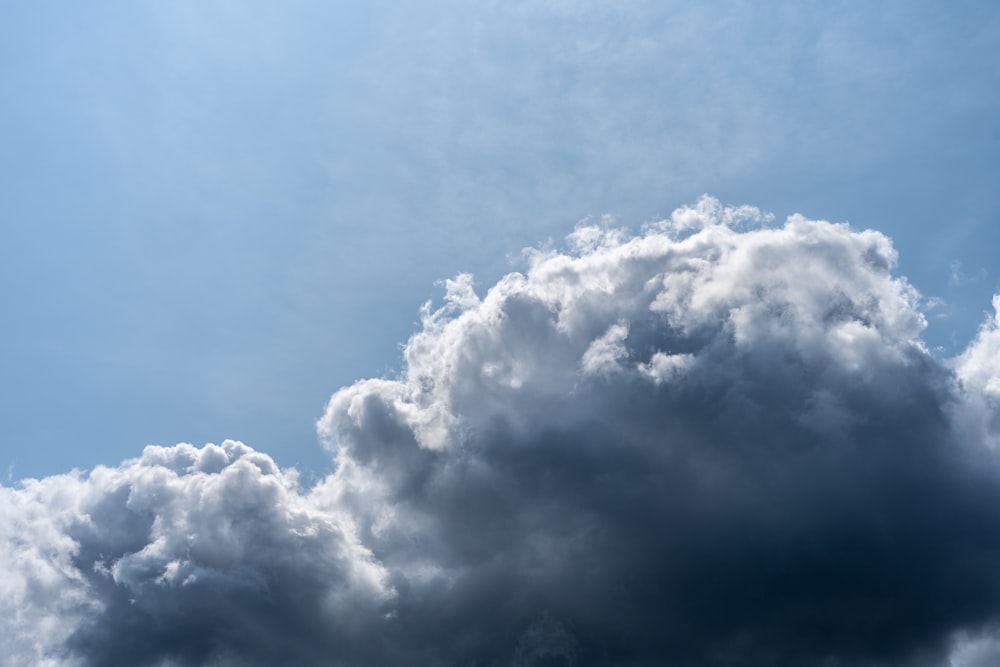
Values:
[(183, 556), (722, 448), (978, 370), (716, 442)]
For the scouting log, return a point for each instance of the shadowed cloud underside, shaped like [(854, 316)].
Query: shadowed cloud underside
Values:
[(717, 442)]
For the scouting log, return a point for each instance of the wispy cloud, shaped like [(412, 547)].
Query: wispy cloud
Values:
[(957, 274)]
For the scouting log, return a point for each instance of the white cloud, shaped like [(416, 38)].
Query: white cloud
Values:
[(185, 554), (710, 443), (978, 370), (697, 410), (979, 366)]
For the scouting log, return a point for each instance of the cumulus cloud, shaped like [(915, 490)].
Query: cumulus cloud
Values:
[(182, 556), (978, 370), (717, 442)]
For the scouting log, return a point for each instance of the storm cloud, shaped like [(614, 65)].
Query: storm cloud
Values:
[(719, 441)]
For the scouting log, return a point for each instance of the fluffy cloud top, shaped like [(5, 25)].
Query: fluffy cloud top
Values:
[(183, 556), (717, 442)]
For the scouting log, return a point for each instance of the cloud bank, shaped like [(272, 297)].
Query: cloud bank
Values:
[(717, 442)]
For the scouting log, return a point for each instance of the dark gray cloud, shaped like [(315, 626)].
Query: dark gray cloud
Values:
[(717, 442)]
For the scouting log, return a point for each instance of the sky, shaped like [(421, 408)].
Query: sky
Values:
[(500, 316)]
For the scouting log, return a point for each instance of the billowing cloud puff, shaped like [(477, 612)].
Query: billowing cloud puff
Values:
[(711, 443), (717, 442), (978, 369), (183, 556)]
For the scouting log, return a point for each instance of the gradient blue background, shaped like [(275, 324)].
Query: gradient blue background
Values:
[(214, 214)]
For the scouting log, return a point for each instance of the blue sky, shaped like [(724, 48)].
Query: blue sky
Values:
[(676, 430), (217, 214)]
